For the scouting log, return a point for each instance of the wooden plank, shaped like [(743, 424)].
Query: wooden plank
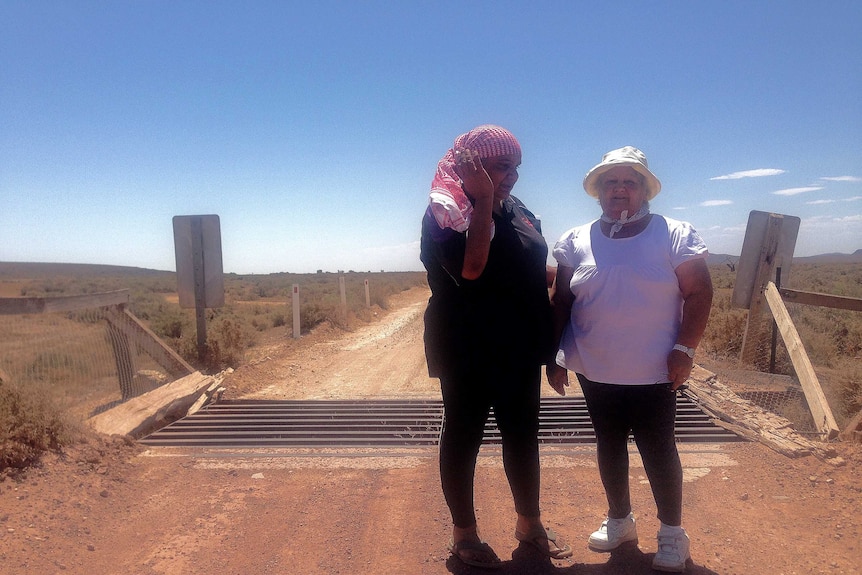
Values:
[(149, 342), (148, 412), (821, 299), (748, 420), (765, 269), (817, 403), (213, 393), (33, 305)]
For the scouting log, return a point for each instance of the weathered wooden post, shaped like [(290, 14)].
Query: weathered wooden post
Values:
[(295, 311), (817, 404), (763, 273), (342, 290), (769, 242)]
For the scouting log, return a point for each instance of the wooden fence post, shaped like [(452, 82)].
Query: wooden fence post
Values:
[(296, 311), (342, 289), (817, 403)]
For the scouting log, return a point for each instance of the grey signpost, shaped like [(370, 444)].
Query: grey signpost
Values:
[(200, 277)]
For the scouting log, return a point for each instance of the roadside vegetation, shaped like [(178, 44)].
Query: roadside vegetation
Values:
[(32, 422), (259, 307), (254, 305)]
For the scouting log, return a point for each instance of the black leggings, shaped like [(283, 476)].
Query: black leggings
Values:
[(648, 412), (467, 399)]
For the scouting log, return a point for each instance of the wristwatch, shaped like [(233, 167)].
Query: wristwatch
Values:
[(689, 351)]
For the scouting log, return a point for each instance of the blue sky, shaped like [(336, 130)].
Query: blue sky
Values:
[(312, 129)]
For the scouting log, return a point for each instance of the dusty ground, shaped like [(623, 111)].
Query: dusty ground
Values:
[(108, 507)]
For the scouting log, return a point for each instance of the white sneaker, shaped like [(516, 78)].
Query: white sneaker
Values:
[(672, 552), (613, 533)]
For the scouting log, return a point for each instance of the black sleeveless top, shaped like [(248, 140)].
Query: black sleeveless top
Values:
[(502, 316)]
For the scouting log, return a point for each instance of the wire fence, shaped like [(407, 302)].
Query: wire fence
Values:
[(89, 364), (74, 356), (771, 382)]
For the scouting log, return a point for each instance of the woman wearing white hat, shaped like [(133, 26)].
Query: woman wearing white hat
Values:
[(639, 299)]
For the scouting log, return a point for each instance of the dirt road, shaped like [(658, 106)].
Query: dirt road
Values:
[(108, 507)]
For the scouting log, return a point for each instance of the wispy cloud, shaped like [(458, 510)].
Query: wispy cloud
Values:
[(760, 173), (712, 203), (794, 191), (817, 202), (842, 179)]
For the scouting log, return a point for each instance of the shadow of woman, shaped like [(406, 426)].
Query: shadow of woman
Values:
[(628, 559)]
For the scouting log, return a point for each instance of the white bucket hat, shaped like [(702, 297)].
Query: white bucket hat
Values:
[(626, 156)]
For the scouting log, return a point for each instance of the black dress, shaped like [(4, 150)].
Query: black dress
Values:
[(486, 340)]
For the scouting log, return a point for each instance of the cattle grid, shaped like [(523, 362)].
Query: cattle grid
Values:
[(385, 423)]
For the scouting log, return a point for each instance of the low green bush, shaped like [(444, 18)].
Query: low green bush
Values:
[(31, 422)]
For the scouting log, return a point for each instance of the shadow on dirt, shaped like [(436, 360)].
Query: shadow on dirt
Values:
[(526, 560)]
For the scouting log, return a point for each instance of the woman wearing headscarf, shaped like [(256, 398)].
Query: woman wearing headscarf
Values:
[(487, 331), (637, 306)]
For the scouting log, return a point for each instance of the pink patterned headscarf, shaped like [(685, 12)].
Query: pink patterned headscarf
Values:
[(450, 206)]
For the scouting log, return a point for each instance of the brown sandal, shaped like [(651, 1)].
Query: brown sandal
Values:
[(470, 551), (545, 540)]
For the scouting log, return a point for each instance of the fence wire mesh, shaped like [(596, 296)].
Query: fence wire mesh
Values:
[(778, 390), (72, 355), (771, 382)]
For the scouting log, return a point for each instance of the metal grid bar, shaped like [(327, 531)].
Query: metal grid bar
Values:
[(384, 423)]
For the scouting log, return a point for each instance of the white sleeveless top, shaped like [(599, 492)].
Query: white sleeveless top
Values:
[(628, 307)]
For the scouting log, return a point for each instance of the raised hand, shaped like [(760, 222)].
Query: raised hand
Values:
[(475, 180)]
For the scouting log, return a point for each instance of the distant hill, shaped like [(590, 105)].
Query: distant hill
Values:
[(854, 258), (719, 259), (38, 270)]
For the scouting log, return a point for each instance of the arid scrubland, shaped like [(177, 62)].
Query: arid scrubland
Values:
[(34, 413)]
